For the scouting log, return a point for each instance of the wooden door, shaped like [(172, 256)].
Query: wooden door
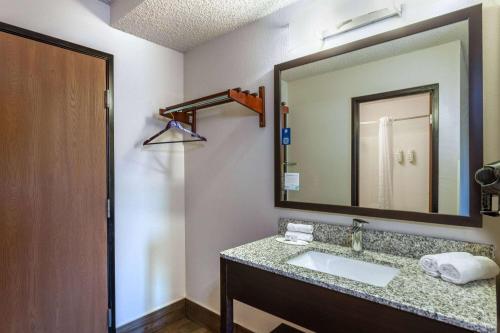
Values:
[(53, 189)]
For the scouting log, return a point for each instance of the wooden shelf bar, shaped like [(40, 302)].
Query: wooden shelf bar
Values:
[(185, 112)]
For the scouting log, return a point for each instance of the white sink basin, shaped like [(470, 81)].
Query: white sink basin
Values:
[(357, 270)]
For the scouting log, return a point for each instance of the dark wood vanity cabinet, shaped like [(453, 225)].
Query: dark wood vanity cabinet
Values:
[(313, 307)]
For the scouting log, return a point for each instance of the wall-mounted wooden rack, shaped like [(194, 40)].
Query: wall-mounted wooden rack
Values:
[(186, 112)]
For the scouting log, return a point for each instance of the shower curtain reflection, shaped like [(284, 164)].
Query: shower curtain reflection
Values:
[(385, 170)]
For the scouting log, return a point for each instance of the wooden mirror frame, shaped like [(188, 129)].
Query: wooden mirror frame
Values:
[(474, 17)]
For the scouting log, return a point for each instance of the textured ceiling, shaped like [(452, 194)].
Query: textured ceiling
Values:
[(184, 24)]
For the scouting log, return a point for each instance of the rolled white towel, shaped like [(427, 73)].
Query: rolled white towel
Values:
[(430, 263), (463, 270), (305, 228), (294, 235)]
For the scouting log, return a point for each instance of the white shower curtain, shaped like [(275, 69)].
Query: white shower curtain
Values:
[(385, 186)]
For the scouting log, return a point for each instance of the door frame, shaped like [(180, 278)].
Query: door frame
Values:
[(108, 100), (433, 91)]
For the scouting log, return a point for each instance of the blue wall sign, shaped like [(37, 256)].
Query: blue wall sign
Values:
[(286, 136)]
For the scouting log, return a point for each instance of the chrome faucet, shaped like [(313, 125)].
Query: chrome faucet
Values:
[(357, 235)]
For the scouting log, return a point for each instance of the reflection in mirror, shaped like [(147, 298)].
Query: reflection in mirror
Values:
[(396, 150), (382, 127)]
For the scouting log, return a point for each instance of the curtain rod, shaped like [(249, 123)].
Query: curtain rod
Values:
[(397, 119)]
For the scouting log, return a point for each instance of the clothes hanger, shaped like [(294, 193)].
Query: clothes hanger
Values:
[(176, 125)]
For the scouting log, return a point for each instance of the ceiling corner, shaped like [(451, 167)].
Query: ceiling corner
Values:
[(184, 24)]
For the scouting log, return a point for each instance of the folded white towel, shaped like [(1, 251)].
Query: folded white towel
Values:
[(430, 263), (306, 228), (294, 235), (463, 270)]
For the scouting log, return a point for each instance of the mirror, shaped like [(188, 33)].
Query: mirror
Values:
[(389, 126)]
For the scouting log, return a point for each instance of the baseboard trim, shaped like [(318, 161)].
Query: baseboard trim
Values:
[(156, 320), (184, 308), (208, 318)]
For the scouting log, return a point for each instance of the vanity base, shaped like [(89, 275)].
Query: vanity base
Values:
[(313, 307)]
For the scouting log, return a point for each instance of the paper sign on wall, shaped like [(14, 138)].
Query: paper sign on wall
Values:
[(292, 181)]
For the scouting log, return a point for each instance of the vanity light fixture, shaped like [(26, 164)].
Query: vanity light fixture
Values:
[(364, 20)]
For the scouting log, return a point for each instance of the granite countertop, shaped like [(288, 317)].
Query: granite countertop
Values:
[(472, 306)]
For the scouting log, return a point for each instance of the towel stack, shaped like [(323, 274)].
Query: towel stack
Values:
[(459, 267), (295, 232)]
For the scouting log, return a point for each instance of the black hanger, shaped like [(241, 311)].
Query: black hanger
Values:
[(174, 124)]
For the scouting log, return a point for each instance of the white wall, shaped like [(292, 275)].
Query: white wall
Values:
[(229, 182), (150, 261)]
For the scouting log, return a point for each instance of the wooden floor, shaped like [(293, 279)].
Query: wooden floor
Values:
[(184, 325)]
